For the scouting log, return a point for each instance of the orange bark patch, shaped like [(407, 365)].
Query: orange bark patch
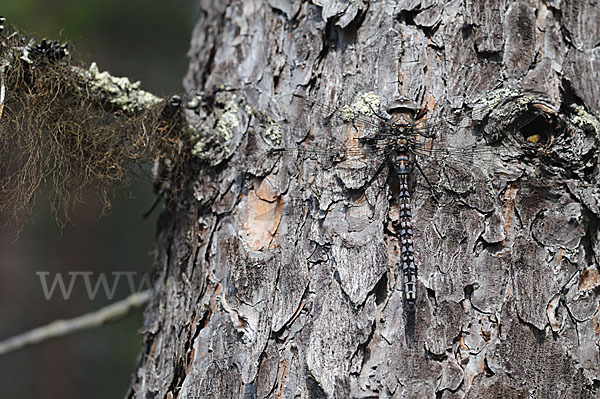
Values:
[(352, 147), (559, 256), (260, 221), (509, 207), (555, 323), (283, 371), (589, 278), (430, 104)]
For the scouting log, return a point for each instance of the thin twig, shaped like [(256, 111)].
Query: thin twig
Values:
[(59, 328)]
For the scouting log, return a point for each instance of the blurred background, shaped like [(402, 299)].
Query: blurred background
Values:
[(144, 40)]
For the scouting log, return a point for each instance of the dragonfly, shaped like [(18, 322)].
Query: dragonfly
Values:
[(403, 138)]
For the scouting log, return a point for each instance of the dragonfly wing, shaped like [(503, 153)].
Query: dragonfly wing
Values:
[(360, 115)]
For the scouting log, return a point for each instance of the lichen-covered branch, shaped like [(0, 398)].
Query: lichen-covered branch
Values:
[(74, 129)]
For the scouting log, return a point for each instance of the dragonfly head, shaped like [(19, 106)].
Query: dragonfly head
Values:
[(402, 105)]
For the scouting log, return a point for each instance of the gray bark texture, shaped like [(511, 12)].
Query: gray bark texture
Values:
[(280, 277)]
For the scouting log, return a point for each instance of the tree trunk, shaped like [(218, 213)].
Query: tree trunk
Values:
[(281, 277)]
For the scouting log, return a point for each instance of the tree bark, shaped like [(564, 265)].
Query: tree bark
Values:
[(281, 277)]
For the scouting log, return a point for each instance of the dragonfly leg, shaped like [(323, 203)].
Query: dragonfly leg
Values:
[(435, 195)]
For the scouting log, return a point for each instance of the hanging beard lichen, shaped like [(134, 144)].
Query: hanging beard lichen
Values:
[(73, 129)]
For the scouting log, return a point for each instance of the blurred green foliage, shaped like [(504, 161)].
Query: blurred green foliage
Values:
[(145, 40)]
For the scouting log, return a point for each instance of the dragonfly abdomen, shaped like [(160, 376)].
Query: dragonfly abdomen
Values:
[(409, 269)]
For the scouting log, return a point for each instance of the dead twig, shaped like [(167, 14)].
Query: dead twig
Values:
[(59, 328)]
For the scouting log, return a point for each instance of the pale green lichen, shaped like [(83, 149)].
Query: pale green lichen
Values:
[(228, 120), (578, 117), (207, 142), (120, 92), (198, 137), (270, 129), (583, 119), (194, 102), (367, 104), (494, 98), (273, 132)]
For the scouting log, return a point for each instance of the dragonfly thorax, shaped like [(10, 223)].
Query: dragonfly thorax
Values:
[(402, 143), (403, 160)]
